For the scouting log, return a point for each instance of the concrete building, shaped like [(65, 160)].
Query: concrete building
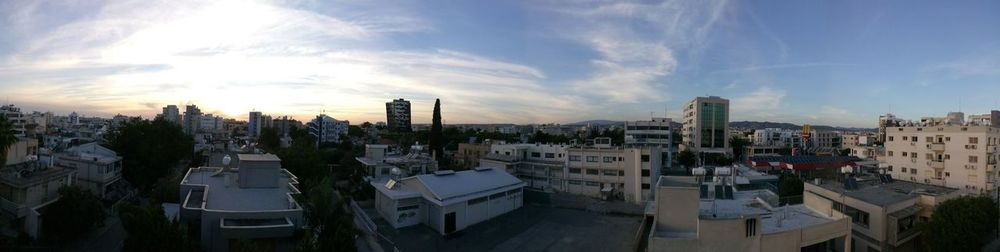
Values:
[(600, 170), (254, 124), (655, 132), (74, 118), (955, 156), (98, 169), (825, 139), (16, 118), (885, 121), (210, 123), (779, 138), (171, 114), (379, 161), (706, 125), (690, 215), (397, 113), (326, 129), (192, 119), (254, 202), (27, 186), (885, 212), (448, 201), (985, 119), (469, 153)]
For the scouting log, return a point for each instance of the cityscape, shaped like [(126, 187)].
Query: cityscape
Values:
[(508, 126)]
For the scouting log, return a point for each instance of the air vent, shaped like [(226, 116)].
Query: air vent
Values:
[(444, 172), (483, 168)]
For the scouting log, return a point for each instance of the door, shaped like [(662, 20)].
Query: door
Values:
[(449, 223)]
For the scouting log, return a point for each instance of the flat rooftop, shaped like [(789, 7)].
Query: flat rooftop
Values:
[(258, 157), (791, 218), (234, 198), (871, 190), (676, 181)]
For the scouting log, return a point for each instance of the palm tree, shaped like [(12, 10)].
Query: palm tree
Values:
[(7, 138)]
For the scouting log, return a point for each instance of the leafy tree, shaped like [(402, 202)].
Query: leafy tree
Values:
[(76, 212), (269, 139), (739, 145), (966, 223), (332, 226), (150, 230), (542, 137), (149, 149), (303, 160), (7, 137), (366, 125), (355, 131), (436, 137), (789, 189), (845, 152), (687, 159)]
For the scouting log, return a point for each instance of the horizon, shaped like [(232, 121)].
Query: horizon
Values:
[(839, 64)]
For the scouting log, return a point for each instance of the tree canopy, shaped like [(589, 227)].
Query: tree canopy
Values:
[(7, 137), (962, 224), (686, 158), (437, 137), (149, 149), (76, 212), (150, 230), (739, 145)]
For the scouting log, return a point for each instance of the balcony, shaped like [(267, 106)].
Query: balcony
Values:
[(936, 164), (938, 147), (991, 148), (991, 168)]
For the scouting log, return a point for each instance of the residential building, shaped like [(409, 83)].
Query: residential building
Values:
[(27, 186), (655, 132), (210, 123), (850, 140), (706, 125), (780, 138), (253, 203), (285, 124), (16, 118), (690, 214), (448, 201), (192, 119), (825, 139), (379, 161), (598, 170), (326, 129), (397, 113), (884, 212), (74, 118), (955, 156), (98, 169), (985, 119), (171, 114), (469, 153), (41, 122), (886, 121), (254, 124)]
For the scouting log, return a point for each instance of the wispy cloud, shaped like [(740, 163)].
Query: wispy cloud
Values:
[(762, 103)]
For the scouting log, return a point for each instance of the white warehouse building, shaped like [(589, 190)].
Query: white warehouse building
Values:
[(448, 201)]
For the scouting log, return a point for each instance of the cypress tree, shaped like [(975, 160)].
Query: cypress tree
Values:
[(437, 138)]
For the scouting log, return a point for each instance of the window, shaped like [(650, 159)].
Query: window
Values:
[(592, 183), (930, 139), (536, 154), (973, 140), (751, 227), (478, 200), (645, 173), (592, 171), (947, 156), (890, 153), (405, 208), (592, 159), (904, 169), (645, 186), (609, 159), (890, 168), (574, 158), (621, 159), (857, 216), (890, 139), (947, 139), (913, 171), (498, 195), (904, 153), (947, 174), (973, 159), (645, 158), (906, 138), (913, 139), (609, 173), (574, 170), (929, 156), (573, 182), (550, 155), (621, 173), (905, 224)]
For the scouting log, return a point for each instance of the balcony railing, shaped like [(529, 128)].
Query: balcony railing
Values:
[(936, 164), (991, 148), (936, 146)]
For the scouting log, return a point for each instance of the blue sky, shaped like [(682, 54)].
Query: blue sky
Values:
[(833, 62)]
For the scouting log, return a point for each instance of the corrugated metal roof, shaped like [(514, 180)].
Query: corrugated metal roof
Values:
[(466, 182)]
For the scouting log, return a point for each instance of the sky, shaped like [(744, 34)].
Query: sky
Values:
[(836, 63)]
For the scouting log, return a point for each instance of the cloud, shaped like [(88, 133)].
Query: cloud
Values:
[(763, 103), (982, 64)]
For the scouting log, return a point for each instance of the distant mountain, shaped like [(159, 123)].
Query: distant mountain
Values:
[(763, 125), (597, 122)]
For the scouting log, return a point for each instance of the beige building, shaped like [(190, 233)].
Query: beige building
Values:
[(885, 213), (27, 186), (955, 156), (706, 125), (98, 169), (689, 215), (469, 153)]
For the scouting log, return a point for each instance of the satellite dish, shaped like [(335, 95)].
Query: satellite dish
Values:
[(226, 160), (395, 171)]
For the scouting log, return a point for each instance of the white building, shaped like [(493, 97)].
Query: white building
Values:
[(16, 118), (955, 156), (98, 169), (254, 202), (448, 201), (397, 115), (776, 137), (211, 123), (692, 215), (379, 161), (192, 119), (255, 123), (655, 132), (326, 129), (172, 114), (27, 186), (706, 125)]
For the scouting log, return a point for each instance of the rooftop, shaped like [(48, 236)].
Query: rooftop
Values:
[(233, 198), (468, 182), (258, 157), (873, 191)]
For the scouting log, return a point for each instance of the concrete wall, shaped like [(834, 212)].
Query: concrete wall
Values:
[(677, 209)]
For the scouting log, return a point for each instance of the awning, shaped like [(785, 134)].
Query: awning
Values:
[(902, 213), (607, 189)]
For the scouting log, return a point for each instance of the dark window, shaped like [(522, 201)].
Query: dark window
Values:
[(592, 159), (536, 154), (550, 155), (413, 207), (498, 195), (478, 200), (751, 227), (645, 158), (574, 170), (574, 158), (592, 172), (645, 173), (645, 186)]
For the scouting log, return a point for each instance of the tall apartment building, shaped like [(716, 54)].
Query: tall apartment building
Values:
[(885, 121), (16, 118), (211, 123), (600, 170), (171, 114), (192, 119), (655, 132), (326, 129), (706, 125), (397, 113), (254, 124), (956, 156), (825, 139)]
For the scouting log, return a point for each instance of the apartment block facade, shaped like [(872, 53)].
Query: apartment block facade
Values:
[(397, 113), (652, 133), (706, 125), (956, 156)]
